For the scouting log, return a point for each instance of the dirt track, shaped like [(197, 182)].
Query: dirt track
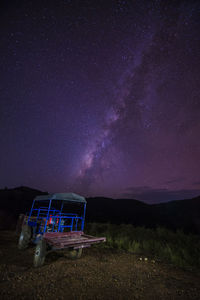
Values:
[(98, 274)]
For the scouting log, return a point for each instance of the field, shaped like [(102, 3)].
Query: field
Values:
[(176, 247), (109, 271)]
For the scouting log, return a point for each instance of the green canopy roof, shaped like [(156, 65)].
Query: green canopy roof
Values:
[(62, 196)]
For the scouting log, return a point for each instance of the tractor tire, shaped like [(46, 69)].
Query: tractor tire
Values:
[(25, 237), (40, 254), (75, 253), (19, 225)]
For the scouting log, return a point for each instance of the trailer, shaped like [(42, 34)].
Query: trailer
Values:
[(56, 221)]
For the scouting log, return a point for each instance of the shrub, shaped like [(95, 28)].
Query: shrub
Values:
[(177, 247)]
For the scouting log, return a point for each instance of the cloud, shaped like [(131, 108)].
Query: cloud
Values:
[(177, 180), (153, 195)]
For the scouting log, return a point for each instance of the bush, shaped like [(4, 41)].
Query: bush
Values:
[(177, 247)]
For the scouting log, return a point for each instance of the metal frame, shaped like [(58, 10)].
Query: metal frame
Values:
[(49, 225), (44, 215)]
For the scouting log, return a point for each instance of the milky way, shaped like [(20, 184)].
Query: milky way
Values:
[(102, 98)]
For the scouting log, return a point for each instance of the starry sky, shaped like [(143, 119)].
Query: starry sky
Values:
[(101, 98)]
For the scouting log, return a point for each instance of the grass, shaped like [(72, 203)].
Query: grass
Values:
[(178, 248)]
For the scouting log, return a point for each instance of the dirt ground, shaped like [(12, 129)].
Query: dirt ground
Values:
[(99, 274)]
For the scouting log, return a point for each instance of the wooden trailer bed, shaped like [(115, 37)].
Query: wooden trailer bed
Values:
[(72, 239)]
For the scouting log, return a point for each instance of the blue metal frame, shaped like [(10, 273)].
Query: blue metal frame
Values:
[(83, 218), (43, 215)]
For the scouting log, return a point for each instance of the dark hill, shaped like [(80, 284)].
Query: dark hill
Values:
[(181, 214), (118, 211), (18, 200)]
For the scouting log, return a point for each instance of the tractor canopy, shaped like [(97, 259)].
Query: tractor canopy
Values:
[(62, 197)]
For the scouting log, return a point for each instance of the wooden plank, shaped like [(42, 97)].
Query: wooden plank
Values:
[(71, 239), (58, 234), (71, 243), (61, 240), (65, 237), (75, 239), (62, 246)]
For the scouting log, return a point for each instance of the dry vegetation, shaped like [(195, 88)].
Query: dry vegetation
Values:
[(178, 248), (101, 273)]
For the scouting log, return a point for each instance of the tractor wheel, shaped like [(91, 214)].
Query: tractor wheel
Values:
[(25, 237), (19, 225), (40, 253), (75, 253)]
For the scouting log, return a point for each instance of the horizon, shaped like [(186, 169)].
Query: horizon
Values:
[(150, 202), (101, 97)]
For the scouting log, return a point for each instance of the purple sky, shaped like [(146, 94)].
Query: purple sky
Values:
[(101, 98)]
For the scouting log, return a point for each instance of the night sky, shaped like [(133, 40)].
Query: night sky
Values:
[(101, 98)]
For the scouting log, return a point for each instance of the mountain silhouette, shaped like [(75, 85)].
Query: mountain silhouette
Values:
[(179, 214)]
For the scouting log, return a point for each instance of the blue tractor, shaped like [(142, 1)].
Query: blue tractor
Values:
[(56, 221)]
